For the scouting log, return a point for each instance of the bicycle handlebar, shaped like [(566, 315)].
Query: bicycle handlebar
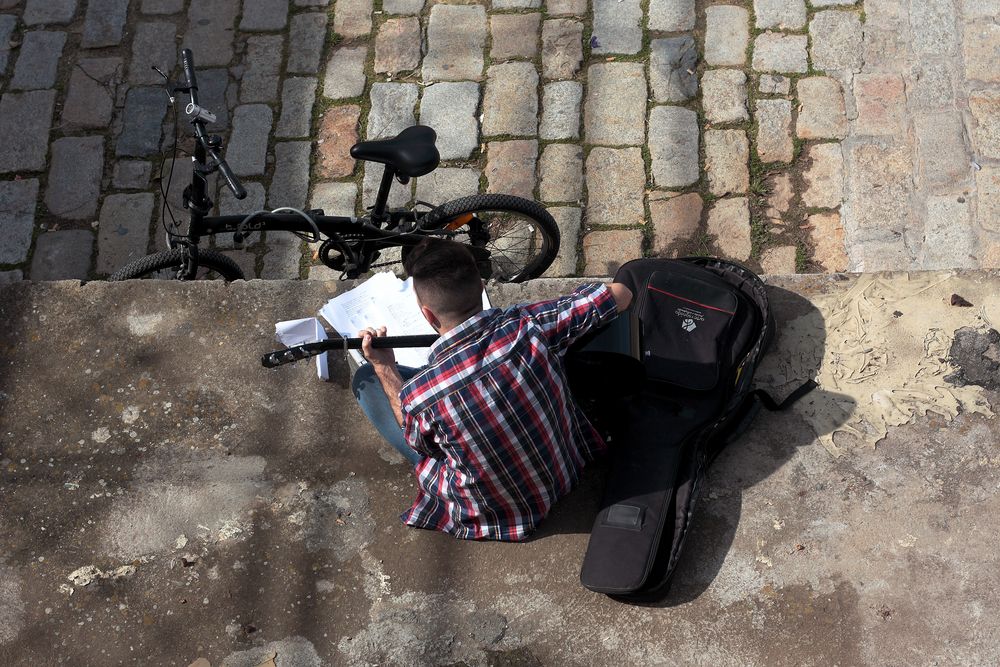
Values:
[(187, 62), (299, 352)]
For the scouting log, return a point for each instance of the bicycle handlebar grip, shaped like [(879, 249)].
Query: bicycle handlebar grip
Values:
[(187, 61), (234, 183)]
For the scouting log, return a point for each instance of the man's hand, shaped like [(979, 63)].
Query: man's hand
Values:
[(378, 357)]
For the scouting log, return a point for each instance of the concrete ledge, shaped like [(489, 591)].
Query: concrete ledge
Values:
[(235, 513)]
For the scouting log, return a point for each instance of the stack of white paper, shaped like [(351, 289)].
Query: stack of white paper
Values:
[(382, 300)]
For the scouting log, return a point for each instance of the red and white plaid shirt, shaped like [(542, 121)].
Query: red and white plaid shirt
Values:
[(493, 416)]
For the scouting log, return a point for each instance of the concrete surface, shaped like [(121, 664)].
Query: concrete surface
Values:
[(164, 498)]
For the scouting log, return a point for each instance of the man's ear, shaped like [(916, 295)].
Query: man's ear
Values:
[(430, 317)]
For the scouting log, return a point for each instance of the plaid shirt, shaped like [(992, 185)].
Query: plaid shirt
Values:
[(493, 416)]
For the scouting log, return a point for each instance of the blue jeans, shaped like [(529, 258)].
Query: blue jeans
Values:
[(375, 404)]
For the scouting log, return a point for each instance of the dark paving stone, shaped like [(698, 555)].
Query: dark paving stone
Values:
[(63, 255), (145, 109)]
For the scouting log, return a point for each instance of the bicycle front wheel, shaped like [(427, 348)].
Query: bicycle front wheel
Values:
[(166, 264), (521, 236)]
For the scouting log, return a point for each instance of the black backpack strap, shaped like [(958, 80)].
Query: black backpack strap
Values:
[(772, 405)]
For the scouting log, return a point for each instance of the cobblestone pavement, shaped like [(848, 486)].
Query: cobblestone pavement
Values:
[(796, 136)]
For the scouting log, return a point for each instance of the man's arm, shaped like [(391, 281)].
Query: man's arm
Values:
[(383, 362), (622, 295)]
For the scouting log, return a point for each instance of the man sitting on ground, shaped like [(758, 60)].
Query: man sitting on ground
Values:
[(489, 422)]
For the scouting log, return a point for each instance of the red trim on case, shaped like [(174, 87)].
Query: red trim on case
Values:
[(703, 305)]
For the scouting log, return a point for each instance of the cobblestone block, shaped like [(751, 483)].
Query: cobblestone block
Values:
[(672, 65), (942, 156), (510, 167), (345, 73), (568, 221), (8, 22), (781, 194), (9, 277), (353, 18), (245, 260), (123, 231), (988, 191), (881, 104), (516, 4), (604, 251), (949, 238), (824, 177), (397, 46), (450, 108), (104, 23), (783, 14), (132, 174), (826, 235), (17, 218), (213, 85), (399, 195), (322, 273), (210, 31), (162, 6), (616, 183), (615, 110), (145, 109), (778, 52), (154, 43), (247, 149), (25, 120), (822, 114), (38, 61), (307, 35), (290, 183), (727, 154), (726, 35), (671, 15), (283, 258), (63, 255), (264, 15), (338, 131), (560, 171), (514, 36), (335, 198), (879, 178), (391, 109), (447, 183), (774, 84), (263, 69), (49, 12), (932, 24), (510, 104), (562, 48), (402, 6), (90, 100), (985, 105), (774, 130), (729, 223), (778, 261), (724, 96), (673, 146), (676, 220), (617, 27), (561, 110), (75, 177), (297, 98), (456, 36), (929, 86), (836, 41), (566, 7)]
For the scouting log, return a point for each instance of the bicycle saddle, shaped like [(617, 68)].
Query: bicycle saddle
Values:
[(410, 153)]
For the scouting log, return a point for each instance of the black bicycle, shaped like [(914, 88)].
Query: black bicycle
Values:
[(513, 239)]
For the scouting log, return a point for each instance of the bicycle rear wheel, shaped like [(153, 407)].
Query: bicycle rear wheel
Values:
[(521, 236), (211, 264)]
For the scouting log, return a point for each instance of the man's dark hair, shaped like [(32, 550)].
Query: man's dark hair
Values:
[(445, 277)]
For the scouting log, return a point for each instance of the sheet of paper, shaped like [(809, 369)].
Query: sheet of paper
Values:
[(306, 330)]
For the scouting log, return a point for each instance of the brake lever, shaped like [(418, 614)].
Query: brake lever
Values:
[(171, 89)]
